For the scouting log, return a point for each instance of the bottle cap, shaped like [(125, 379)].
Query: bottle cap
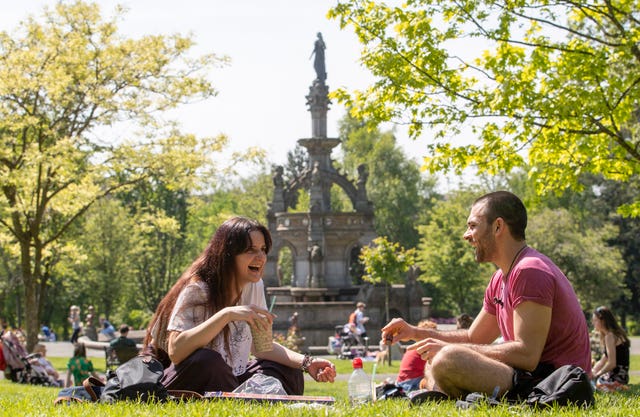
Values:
[(357, 363)]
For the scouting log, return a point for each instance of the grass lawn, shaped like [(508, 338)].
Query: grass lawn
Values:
[(25, 400)]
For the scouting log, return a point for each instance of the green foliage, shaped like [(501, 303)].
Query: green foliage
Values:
[(63, 80), (400, 195), (501, 84), (447, 261), (385, 261)]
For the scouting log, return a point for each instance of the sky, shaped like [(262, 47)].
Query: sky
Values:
[(261, 99)]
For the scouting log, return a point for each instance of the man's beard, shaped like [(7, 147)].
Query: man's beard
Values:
[(485, 248)]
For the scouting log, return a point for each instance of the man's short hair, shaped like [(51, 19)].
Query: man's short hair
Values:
[(360, 304), (507, 206), (124, 329)]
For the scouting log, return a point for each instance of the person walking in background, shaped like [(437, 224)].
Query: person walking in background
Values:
[(201, 328), (79, 367), (611, 372), (359, 320), (76, 323)]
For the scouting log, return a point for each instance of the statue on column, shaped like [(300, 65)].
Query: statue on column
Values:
[(318, 62), (315, 265)]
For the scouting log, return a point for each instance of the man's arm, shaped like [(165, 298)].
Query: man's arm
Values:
[(531, 323), (484, 330)]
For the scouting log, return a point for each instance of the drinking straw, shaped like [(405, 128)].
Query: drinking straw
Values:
[(373, 382), (273, 302)]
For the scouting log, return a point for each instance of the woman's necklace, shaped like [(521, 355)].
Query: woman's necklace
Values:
[(513, 261)]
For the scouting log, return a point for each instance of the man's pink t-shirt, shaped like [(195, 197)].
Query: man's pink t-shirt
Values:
[(534, 277)]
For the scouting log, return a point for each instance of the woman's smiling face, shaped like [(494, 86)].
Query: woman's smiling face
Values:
[(249, 265)]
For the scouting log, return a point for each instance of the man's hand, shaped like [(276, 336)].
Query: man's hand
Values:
[(397, 330), (428, 348)]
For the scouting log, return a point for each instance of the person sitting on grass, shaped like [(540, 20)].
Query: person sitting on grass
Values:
[(528, 301), (611, 372), (40, 361), (411, 371), (79, 367), (201, 328)]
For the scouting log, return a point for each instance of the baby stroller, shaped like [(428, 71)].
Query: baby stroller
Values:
[(346, 344), (18, 365)]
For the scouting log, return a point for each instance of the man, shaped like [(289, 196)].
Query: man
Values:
[(358, 319), (123, 347), (529, 302)]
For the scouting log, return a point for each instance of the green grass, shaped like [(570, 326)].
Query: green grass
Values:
[(25, 400)]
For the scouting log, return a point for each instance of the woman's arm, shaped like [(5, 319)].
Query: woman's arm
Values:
[(182, 344), (320, 370), (610, 358)]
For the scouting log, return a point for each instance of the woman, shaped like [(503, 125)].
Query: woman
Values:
[(79, 366), (201, 332), (611, 372)]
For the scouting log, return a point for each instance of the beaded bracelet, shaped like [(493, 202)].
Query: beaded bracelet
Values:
[(306, 362)]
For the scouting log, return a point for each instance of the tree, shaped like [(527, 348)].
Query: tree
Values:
[(385, 262), (553, 83), (107, 241), (63, 83), (447, 261), (401, 197)]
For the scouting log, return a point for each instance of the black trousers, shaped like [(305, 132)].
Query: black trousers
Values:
[(206, 370)]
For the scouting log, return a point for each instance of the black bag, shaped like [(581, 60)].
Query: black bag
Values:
[(567, 385), (386, 391), (136, 379), (89, 392)]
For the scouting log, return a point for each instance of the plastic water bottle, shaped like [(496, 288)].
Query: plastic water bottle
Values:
[(359, 384)]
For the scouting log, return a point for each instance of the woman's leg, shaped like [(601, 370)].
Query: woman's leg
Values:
[(205, 370)]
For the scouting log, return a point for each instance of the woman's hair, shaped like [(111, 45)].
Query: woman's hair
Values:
[(215, 267), (79, 350), (611, 324)]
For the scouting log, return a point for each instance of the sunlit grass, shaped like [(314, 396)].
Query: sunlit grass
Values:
[(26, 400)]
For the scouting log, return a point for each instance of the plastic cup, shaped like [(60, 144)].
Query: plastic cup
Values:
[(262, 339)]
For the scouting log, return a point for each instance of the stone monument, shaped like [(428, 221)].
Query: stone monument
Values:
[(324, 244)]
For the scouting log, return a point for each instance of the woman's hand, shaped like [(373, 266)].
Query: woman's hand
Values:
[(256, 317), (322, 370)]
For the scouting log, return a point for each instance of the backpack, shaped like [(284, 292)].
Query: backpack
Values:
[(352, 318), (567, 385), (136, 379)]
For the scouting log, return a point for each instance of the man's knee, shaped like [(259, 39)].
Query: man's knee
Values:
[(448, 357)]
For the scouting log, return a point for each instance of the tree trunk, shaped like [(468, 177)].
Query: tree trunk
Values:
[(30, 299)]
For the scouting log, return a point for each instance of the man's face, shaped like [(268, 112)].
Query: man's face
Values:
[(479, 234)]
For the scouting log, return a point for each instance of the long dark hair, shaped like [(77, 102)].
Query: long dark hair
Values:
[(611, 324), (214, 267)]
